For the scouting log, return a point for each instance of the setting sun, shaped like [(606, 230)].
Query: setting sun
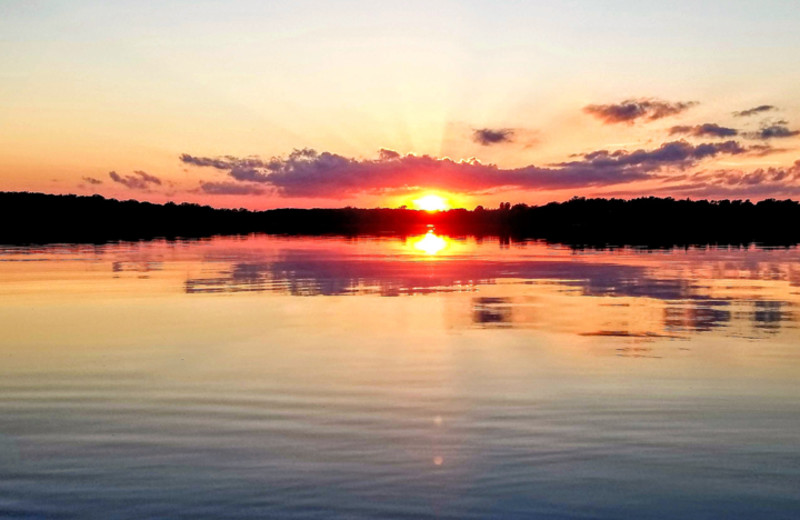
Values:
[(431, 202)]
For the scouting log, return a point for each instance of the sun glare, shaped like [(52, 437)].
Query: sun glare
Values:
[(430, 244), (431, 202)]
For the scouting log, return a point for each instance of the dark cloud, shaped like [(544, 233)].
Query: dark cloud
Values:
[(146, 177), (762, 182), (241, 169), (704, 130), (761, 150), (226, 162), (92, 180), (230, 188), (755, 110), (487, 136), (675, 153), (776, 130), (388, 155), (138, 181), (757, 184), (307, 173), (759, 176), (630, 110)]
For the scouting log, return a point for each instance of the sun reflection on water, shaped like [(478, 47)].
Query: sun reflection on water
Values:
[(429, 243)]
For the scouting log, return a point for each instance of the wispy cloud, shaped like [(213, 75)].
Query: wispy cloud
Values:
[(631, 110), (92, 180), (727, 183), (488, 136), (734, 183), (758, 176), (704, 130), (762, 150), (138, 181), (230, 188), (755, 110), (674, 153)]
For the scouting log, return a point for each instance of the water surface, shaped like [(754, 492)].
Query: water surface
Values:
[(417, 377)]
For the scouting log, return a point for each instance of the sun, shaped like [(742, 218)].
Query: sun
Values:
[(431, 202)]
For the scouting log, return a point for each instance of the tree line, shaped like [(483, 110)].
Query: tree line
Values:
[(30, 218)]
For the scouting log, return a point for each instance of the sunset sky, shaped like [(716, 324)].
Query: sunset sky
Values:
[(313, 103)]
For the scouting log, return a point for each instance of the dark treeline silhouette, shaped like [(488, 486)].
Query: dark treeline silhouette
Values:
[(30, 218)]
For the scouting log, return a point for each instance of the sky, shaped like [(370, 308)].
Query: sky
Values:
[(356, 103)]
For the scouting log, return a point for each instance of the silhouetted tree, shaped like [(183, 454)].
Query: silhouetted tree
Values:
[(649, 221)]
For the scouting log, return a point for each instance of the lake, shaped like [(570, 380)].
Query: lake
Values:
[(398, 377)]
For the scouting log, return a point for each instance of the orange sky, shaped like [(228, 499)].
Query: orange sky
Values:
[(480, 102)]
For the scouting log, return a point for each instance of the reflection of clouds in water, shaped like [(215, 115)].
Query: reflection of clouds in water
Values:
[(688, 305), (305, 273), (696, 316), (768, 315), (430, 244), (305, 277), (638, 286), (144, 266), (492, 311)]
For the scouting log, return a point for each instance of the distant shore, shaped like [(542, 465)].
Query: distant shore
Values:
[(38, 218)]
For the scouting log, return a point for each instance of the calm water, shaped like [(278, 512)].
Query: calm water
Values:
[(398, 378)]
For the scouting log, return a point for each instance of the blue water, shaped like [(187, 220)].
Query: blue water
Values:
[(268, 377)]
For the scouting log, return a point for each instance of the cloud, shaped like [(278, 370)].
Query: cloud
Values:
[(92, 180), (675, 153), (776, 130), (241, 169), (759, 176), (139, 181), (758, 184), (307, 173), (487, 136), (223, 163), (146, 177), (388, 155), (762, 150), (230, 188), (755, 110), (704, 130), (732, 183), (630, 110)]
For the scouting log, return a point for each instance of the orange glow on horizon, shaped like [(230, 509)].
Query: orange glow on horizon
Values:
[(432, 202)]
